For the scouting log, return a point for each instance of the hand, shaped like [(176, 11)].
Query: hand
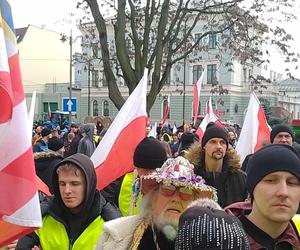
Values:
[(36, 248), (12, 245)]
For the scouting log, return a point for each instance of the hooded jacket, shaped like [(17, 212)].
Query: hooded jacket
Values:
[(94, 205), (230, 182), (258, 239), (86, 144), (45, 163)]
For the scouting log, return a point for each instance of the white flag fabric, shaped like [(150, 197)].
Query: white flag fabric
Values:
[(114, 155), (255, 131)]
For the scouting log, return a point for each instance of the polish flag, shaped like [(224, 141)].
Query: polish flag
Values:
[(255, 131), (49, 111), (166, 113), (19, 203), (197, 89), (209, 117), (114, 155)]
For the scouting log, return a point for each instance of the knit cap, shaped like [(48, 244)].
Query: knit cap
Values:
[(280, 128), (55, 143), (214, 131), (209, 228), (269, 159), (149, 154)]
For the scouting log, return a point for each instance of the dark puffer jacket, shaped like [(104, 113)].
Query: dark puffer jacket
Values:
[(94, 205), (230, 183), (45, 163)]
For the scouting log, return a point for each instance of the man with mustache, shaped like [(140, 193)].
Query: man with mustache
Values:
[(273, 182), (218, 163)]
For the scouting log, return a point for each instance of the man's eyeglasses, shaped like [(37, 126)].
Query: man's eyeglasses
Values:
[(185, 193)]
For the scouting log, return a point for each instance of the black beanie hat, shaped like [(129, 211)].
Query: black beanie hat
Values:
[(214, 131), (55, 143), (280, 128), (269, 159), (209, 228), (45, 132), (149, 154)]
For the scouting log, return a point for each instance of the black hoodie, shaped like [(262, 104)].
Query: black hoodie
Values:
[(94, 203)]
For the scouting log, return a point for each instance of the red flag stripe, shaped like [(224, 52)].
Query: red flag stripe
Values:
[(263, 133), (15, 180), (6, 237), (120, 155)]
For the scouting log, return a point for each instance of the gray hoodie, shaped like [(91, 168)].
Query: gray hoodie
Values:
[(86, 144)]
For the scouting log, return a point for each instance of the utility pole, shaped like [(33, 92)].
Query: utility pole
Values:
[(184, 76), (70, 83), (89, 88)]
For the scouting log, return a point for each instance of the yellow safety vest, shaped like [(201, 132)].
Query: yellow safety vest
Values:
[(53, 235), (296, 221), (126, 196)]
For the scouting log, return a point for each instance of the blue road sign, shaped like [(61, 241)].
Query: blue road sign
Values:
[(69, 104)]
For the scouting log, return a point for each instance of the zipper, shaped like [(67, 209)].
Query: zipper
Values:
[(70, 244)]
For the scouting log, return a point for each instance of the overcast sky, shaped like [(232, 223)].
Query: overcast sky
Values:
[(55, 15)]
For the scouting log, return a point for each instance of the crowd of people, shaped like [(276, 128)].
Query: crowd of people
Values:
[(185, 192)]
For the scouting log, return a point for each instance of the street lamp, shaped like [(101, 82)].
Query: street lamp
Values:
[(89, 86)]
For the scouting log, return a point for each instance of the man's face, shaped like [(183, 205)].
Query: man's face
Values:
[(148, 129), (231, 135), (215, 148), (72, 187), (39, 130), (167, 209), (283, 138), (276, 197)]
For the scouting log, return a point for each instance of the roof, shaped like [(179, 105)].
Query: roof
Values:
[(20, 33), (290, 85)]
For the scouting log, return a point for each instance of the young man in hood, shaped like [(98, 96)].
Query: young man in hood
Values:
[(73, 218), (273, 182), (218, 163)]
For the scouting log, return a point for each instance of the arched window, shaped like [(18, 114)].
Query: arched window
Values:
[(105, 108), (95, 108)]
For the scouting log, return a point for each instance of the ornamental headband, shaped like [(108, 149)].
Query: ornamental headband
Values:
[(180, 172)]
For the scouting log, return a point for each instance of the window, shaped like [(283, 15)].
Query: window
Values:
[(104, 81), (197, 71), (95, 108), (197, 36), (244, 75), (211, 74), (53, 106), (212, 41), (95, 78), (105, 108)]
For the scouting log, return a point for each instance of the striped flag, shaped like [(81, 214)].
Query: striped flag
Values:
[(114, 155), (167, 110), (19, 204), (209, 117), (197, 89), (255, 131)]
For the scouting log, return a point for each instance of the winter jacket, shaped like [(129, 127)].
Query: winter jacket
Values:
[(86, 144), (45, 162), (120, 193), (40, 146), (230, 182), (258, 239), (132, 232), (75, 224)]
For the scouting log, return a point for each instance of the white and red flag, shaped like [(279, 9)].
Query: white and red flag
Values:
[(167, 110), (209, 117), (197, 90), (19, 204), (114, 155), (49, 111), (255, 131)]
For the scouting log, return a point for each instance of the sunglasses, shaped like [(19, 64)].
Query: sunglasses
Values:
[(185, 193)]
